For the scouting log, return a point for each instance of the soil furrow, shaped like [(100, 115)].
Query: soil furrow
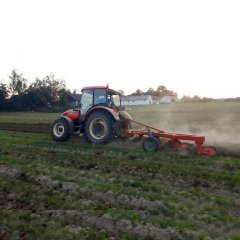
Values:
[(115, 226), (156, 176), (86, 192), (111, 198)]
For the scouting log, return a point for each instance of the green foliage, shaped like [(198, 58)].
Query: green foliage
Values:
[(3, 95), (18, 84), (161, 91), (44, 94), (48, 93)]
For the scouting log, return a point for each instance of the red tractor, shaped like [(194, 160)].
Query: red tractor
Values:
[(101, 118)]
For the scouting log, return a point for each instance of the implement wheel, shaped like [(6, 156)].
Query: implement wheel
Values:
[(150, 144)]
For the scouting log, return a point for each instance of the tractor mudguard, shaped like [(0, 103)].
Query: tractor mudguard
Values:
[(125, 115), (70, 123), (106, 109)]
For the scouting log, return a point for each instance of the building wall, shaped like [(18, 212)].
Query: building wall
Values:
[(137, 103), (156, 102), (166, 99)]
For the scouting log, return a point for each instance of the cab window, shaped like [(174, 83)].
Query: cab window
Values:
[(116, 100), (100, 96), (86, 100)]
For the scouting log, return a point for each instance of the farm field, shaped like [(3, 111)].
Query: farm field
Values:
[(166, 116), (27, 117), (194, 115), (218, 121), (75, 190), (163, 115)]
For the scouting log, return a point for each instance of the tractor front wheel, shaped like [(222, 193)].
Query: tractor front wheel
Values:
[(99, 128), (60, 130)]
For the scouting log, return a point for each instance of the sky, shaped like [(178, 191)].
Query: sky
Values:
[(191, 47)]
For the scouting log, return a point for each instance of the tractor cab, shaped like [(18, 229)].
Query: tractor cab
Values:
[(99, 96), (93, 97)]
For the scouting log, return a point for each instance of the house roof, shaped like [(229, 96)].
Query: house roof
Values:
[(136, 98), (75, 97)]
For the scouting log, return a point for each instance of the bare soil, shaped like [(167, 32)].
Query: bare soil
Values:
[(24, 127)]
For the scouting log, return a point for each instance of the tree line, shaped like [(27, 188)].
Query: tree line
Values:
[(196, 98), (161, 91), (51, 94), (46, 94)]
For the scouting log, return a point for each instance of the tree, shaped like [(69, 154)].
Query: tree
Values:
[(161, 89), (63, 95), (186, 98), (196, 98), (18, 83), (47, 93), (3, 95), (150, 91), (137, 93)]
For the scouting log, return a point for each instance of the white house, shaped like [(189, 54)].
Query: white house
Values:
[(137, 100)]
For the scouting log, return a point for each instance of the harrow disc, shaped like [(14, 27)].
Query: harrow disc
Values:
[(208, 151)]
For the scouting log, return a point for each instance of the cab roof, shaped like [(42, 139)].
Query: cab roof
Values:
[(110, 91)]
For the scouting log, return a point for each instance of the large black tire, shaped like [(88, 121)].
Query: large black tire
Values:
[(60, 130), (99, 128)]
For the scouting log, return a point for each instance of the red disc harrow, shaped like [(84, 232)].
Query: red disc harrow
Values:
[(153, 136)]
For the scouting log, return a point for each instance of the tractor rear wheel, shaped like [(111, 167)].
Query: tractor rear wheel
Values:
[(60, 130), (99, 128)]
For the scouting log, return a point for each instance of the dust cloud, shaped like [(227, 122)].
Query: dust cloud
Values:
[(220, 126), (222, 133)]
